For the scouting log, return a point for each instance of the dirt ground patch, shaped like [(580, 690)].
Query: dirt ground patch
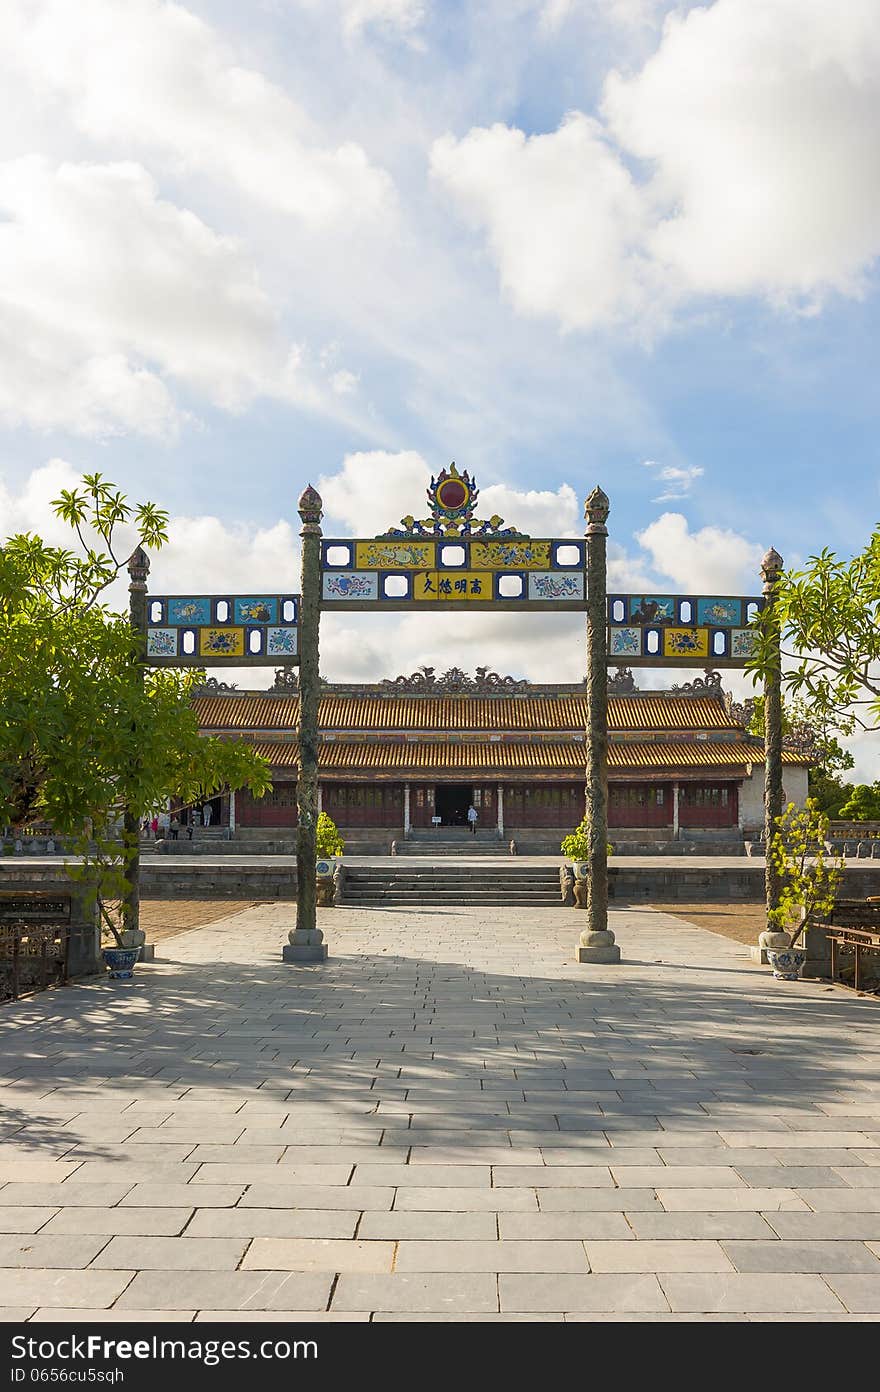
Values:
[(742, 922), (164, 918)]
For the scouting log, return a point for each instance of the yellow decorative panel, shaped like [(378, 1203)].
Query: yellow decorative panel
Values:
[(685, 642), (221, 642), (511, 555), (395, 555), (453, 585)]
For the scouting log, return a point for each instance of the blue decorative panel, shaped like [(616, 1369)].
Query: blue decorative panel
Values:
[(161, 642), (558, 585), (188, 611), (351, 584), (718, 612), (281, 642), (743, 642), (624, 642), (255, 610), (651, 609)]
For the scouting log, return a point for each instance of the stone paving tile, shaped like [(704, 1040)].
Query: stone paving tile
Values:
[(427, 1226), (582, 1200), (135, 1170), (833, 1200), (294, 1175), (833, 1227), (37, 1171), (179, 1195), (24, 1220), (346, 1196), (808, 1256), (272, 1222), (427, 1176), (67, 1195), (563, 1256), (737, 1200), (72, 1289), (581, 1294), (49, 1249), (677, 1226), (659, 1255), (226, 1290), (16, 1314), (272, 1316), (144, 1222), (52, 1316), (406, 1293), (679, 1177), (792, 1176), (861, 1295), (172, 1253), (555, 1227), (473, 1200), (318, 1254), (748, 1294)]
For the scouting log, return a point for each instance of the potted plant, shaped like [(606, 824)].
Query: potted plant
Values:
[(809, 880), (576, 849), (329, 846)]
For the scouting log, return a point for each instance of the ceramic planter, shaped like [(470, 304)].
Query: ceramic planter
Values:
[(787, 963), (120, 961)]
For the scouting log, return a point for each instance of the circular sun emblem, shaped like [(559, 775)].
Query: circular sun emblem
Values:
[(453, 495)]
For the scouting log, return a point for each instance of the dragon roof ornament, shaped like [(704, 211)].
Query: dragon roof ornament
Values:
[(452, 499)]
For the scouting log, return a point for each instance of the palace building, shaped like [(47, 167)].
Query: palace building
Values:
[(402, 759)]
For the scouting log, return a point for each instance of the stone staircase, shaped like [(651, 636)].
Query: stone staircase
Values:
[(450, 841), (455, 883)]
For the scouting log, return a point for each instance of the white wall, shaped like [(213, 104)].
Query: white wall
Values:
[(751, 794)]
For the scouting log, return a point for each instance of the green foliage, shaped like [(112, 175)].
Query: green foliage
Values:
[(328, 842), (862, 805), (576, 845), (809, 878), (809, 731), (828, 616), (87, 735), (830, 794)]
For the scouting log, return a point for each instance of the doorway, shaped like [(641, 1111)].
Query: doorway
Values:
[(452, 801)]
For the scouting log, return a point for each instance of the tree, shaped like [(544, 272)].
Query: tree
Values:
[(808, 733), (328, 842), (828, 613), (862, 805), (86, 734), (808, 879)]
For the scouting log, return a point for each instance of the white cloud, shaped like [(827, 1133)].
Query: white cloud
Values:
[(753, 127), (108, 293), (401, 16), (713, 560), (678, 481), (151, 75), (563, 217)]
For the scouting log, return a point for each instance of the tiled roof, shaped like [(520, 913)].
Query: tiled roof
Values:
[(648, 712), (394, 759)]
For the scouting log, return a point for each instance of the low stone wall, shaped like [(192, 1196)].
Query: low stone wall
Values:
[(84, 951), (162, 879)]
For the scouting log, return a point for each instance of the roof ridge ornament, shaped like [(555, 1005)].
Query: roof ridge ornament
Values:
[(484, 682), (707, 685), (452, 499)]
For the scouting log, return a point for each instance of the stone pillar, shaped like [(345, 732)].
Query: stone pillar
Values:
[(597, 941), (138, 570), (675, 821), (771, 570), (320, 803), (407, 824), (500, 810), (232, 811), (306, 941)]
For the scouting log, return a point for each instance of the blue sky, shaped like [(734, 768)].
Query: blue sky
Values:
[(559, 241)]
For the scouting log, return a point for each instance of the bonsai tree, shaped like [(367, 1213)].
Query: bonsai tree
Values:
[(90, 739), (576, 845), (328, 842), (809, 878)]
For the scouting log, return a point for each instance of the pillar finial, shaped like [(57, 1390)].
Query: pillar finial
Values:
[(597, 508), (310, 505)]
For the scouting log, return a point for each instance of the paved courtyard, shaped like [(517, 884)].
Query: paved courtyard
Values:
[(450, 1120)]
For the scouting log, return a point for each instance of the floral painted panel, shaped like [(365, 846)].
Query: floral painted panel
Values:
[(351, 584), (651, 609), (625, 642), (281, 642), (743, 642), (555, 584), (187, 612), (255, 610), (161, 642), (511, 555), (221, 642), (395, 555), (686, 642), (719, 612)]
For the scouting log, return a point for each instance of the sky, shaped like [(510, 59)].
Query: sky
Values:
[(561, 242)]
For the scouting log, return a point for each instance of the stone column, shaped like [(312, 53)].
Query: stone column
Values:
[(500, 810), (138, 570), (771, 570), (596, 942), (232, 811), (407, 824), (320, 803), (306, 941), (675, 821)]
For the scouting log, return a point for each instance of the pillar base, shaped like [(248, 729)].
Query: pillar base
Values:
[(304, 952), (148, 952), (597, 947)]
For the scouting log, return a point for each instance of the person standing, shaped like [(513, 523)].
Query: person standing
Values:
[(472, 816), (154, 825), (207, 813), (175, 828)]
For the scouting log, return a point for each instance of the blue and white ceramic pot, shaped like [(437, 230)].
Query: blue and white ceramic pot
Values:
[(787, 962), (120, 961)]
